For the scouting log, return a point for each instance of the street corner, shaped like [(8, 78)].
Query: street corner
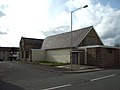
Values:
[(79, 69)]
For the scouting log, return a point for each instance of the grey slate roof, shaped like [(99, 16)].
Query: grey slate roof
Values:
[(64, 40), (33, 41)]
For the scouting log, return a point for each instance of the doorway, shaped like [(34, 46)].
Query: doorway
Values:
[(78, 57), (75, 58)]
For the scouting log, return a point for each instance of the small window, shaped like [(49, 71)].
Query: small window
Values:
[(22, 55), (27, 54), (11, 52)]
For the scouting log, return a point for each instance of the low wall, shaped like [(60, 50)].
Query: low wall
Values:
[(38, 55), (59, 55)]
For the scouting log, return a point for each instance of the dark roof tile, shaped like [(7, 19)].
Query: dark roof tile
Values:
[(64, 40), (32, 40)]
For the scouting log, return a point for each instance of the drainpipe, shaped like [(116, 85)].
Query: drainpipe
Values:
[(85, 56)]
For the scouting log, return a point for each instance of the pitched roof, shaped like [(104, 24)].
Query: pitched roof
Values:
[(9, 48), (64, 40), (32, 40)]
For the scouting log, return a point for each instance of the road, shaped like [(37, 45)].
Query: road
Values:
[(22, 76)]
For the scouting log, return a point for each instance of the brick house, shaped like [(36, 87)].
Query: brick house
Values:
[(9, 53), (26, 44), (102, 56)]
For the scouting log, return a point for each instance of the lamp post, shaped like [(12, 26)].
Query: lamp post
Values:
[(71, 33)]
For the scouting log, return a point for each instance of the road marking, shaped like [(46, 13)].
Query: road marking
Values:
[(102, 77), (67, 85)]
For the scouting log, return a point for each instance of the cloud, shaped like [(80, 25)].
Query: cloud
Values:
[(103, 17), (117, 39), (59, 24), (56, 7), (34, 18), (23, 18), (108, 27), (1, 14), (3, 32), (56, 30), (3, 6)]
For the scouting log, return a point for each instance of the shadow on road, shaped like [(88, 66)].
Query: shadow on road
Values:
[(8, 86), (117, 67)]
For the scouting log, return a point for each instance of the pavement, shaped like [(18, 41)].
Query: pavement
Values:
[(79, 68), (67, 68)]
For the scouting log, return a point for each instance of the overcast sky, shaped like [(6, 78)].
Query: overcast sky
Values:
[(42, 18)]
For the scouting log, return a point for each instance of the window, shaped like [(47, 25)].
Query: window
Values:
[(11, 52), (27, 54), (15, 52), (22, 55)]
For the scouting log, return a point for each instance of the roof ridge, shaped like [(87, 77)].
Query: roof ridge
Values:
[(86, 34), (69, 31), (32, 38), (63, 40)]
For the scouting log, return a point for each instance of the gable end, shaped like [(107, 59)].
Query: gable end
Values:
[(92, 38)]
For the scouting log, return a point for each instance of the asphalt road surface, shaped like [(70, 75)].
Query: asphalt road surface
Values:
[(21, 76)]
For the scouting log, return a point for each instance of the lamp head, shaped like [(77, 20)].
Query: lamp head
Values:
[(85, 6)]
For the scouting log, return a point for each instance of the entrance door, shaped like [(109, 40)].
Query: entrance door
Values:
[(78, 58), (75, 58), (81, 58)]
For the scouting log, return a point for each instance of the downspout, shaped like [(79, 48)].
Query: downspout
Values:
[(85, 56)]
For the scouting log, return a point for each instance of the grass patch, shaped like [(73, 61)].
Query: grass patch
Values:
[(50, 63)]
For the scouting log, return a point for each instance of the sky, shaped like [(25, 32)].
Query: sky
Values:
[(43, 18)]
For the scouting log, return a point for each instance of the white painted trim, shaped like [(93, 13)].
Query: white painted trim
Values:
[(102, 77), (52, 88), (97, 46)]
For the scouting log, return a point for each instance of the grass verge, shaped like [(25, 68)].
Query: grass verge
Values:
[(50, 63)]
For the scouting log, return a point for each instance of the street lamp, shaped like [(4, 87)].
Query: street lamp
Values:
[(71, 32)]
